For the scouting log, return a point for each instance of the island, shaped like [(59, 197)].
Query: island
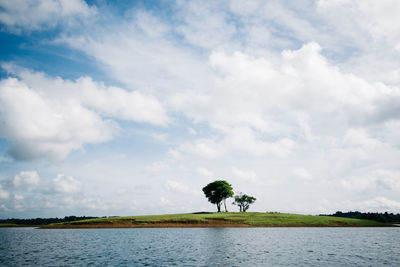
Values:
[(218, 219)]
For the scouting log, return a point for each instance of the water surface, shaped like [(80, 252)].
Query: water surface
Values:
[(200, 247)]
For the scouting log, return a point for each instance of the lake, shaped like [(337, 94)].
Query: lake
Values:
[(200, 247)]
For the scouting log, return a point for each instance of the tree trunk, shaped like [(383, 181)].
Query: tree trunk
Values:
[(219, 207), (225, 205)]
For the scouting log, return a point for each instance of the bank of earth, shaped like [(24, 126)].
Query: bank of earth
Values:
[(223, 219)]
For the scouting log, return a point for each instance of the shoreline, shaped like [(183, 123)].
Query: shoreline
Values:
[(217, 220), (202, 225)]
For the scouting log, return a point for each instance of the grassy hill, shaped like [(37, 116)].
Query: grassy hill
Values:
[(229, 219)]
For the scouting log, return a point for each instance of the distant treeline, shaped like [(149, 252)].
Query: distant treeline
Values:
[(380, 217), (44, 221)]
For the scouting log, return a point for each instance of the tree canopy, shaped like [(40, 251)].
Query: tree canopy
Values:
[(218, 191), (376, 216), (243, 201)]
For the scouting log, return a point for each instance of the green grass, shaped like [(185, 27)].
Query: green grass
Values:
[(249, 218)]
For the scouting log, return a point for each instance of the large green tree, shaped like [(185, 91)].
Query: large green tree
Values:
[(218, 191), (243, 201)]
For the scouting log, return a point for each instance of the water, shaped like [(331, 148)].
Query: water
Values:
[(201, 247)]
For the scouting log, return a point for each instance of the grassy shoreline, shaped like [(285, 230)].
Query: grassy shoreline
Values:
[(230, 219), (4, 225)]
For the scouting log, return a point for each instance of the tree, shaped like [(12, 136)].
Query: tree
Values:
[(218, 191), (243, 201)]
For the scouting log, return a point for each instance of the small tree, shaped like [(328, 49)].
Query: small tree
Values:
[(218, 191), (243, 201)]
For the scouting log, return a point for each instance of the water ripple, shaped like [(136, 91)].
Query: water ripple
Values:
[(201, 247)]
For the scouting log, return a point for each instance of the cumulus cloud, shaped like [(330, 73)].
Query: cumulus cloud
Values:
[(379, 204), (292, 105), (176, 186), (37, 126), (368, 27), (165, 201), (241, 175), (204, 172), (302, 173), (154, 63), (28, 193), (251, 141), (302, 76), (26, 177), (160, 137), (206, 148), (3, 193), (18, 197), (66, 184), (53, 117), (263, 101), (119, 103), (377, 19), (283, 89), (20, 15), (110, 101), (378, 179), (94, 204), (157, 166), (258, 105), (214, 32), (179, 187)]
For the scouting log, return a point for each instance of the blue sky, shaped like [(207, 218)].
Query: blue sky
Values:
[(132, 107)]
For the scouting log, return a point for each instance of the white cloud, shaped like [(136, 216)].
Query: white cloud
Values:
[(380, 204), (151, 25), (241, 175), (302, 173), (204, 172), (153, 63), (368, 30), (205, 148), (95, 204), (378, 19), (165, 201), (3, 193), (37, 126), (18, 197), (109, 101), (118, 103), (160, 137), (258, 105), (264, 99), (66, 184), (157, 166), (192, 131), (246, 139), (205, 24), (298, 107), (41, 14), (287, 88), (176, 186), (53, 117), (26, 177), (378, 179), (390, 130)]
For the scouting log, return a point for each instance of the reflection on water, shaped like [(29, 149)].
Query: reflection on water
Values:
[(201, 247)]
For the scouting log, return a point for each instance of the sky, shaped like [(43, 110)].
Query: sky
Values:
[(131, 107)]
